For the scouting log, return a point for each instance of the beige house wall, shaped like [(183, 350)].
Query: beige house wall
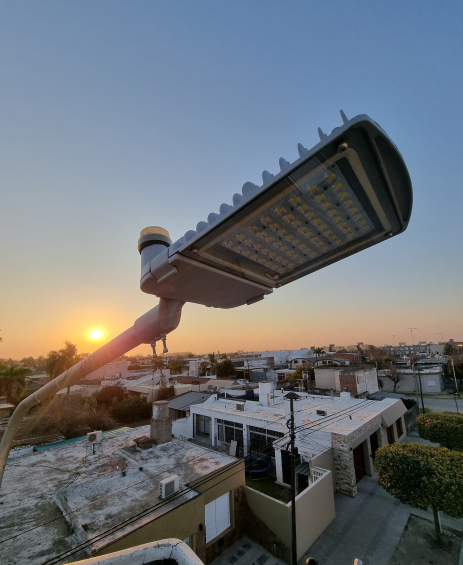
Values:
[(314, 512), (181, 523), (275, 514), (184, 521), (325, 461)]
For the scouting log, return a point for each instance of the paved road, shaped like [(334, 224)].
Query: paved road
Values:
[(443, 404), (367, 527)]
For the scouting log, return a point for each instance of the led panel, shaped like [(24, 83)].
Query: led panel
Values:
[(319, 215)]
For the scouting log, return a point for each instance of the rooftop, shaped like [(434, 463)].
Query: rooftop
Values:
[(96, 492), (343, 415)]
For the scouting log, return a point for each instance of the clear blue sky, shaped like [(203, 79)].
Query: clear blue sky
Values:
[(118, 115)]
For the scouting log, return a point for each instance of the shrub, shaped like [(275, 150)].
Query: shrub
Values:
[(409, 402), (74, 416), (108, 393), (166, 392), (130, 409), (445, 429), (423, 477)]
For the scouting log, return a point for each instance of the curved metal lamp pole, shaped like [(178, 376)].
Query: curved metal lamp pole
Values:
[(149, 328)]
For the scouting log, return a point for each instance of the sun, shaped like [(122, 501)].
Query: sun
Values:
[(96, 334)]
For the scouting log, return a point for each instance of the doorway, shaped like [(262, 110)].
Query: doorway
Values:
[(359, 462)]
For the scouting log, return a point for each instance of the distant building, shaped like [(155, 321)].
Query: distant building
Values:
[(403, 349), (110, 372), (359, 382)]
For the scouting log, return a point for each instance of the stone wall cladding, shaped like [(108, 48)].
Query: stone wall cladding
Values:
[(343, 455)]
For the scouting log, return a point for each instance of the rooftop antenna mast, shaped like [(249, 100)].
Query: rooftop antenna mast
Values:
[(413, 341)]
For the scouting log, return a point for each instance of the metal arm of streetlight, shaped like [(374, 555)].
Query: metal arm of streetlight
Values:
[(149, 328)]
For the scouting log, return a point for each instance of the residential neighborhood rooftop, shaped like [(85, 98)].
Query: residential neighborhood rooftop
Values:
[(94, 491)]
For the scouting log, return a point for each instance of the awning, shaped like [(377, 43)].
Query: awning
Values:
[(303, 469)]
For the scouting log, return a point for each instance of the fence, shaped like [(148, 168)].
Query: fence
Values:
[(410, 418)]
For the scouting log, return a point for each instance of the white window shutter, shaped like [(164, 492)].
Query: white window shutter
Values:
[(217, 516)]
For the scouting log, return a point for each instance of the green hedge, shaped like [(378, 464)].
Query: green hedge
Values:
[(130, 409), (445, 429)]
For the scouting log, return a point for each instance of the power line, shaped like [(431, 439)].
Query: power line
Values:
[(268, 447), (148, 511)]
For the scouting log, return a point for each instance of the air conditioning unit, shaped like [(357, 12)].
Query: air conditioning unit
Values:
[(169, 486), (321, 412), (240, 407), (92, 437)]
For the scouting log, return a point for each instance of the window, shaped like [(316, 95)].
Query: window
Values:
[(432, 383), (203, 425), (217, 516), (399, 427), (259, 438), (229, 431), (390, 434)]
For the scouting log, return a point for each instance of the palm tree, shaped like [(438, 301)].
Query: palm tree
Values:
[(13, 381), (59, 361), (212, 362), (318, 351)]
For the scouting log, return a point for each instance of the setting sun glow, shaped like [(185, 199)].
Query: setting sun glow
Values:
[(96, 334)]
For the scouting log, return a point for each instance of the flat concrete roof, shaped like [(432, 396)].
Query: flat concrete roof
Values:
[(343, 415), (36, 487)]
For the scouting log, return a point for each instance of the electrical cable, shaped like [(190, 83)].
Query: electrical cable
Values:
[(268, 447), (146, 512)]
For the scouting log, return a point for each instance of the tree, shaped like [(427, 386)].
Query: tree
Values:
[(159, 363), (13, 381), (449, 349), (319, 351), (134, 367), (130, 409), (213, 363), (226, 368), (177, 364), (458, 370), (74, 416), (108, 393), (445, 429), (59, 361), (393, 375), (299, 370), (28, 361), (166, 392), (376, 354), (203, 368), (423, 477)]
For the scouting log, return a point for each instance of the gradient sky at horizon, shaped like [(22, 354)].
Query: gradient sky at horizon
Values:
[(118, 115)]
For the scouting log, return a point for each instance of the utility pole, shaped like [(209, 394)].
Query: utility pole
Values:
[(457, 394), (421, 387), (416, 385), (293, 396)]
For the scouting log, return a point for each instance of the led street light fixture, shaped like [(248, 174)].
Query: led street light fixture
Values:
[(347, 193)]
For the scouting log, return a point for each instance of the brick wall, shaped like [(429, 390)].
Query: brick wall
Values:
[(349, 383)]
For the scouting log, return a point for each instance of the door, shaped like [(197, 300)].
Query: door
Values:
[(359, 462), (374, 445), (217, 516)]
